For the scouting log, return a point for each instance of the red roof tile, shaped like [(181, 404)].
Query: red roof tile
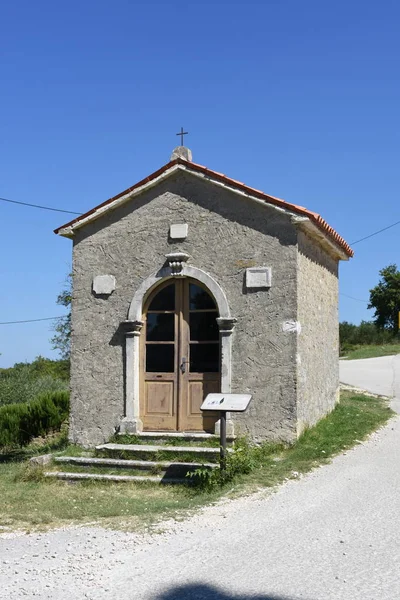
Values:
[(190, 166)]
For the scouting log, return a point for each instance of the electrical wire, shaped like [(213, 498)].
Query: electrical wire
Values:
[(61, 210), (375, 233), (76, 213), (352, 298), (32, 320), (70, 212)]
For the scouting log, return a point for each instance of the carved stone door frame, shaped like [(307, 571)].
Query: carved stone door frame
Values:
[(131, 422)]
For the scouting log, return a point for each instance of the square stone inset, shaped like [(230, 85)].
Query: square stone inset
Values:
[(258, 278), (103, 285), (178, 231)]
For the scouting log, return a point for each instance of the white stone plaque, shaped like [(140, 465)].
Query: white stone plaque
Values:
[(291, 326), (104, 285), (258, 278), (178, 231), (228, 402)]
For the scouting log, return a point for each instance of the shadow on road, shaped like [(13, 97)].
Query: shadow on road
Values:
[(208, 592)]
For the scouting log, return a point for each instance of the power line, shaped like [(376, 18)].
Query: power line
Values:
[(352, 298), (375, 233), (63, 316), (70, 212), (32, 320), (43, 208), (76, 213)]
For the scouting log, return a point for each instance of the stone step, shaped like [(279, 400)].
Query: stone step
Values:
[(115, 478), (130, 464), (178, 435), (172, 449)]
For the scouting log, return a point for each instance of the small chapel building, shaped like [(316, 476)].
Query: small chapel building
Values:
[(190, 282)]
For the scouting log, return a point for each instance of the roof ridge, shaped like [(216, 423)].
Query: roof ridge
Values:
[(313, 216)]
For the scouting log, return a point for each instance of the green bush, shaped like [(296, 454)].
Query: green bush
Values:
[(25, 381), (10, 423), (366, 333), (19, 423), (243, 460)]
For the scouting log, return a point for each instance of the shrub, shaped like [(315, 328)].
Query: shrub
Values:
[(19, 423), (366, 332), (10, 423), (243, 460), (24, 382)]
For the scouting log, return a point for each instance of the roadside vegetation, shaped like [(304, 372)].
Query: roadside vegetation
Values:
[(34, 401), (373, 351), (30, 502), (25, 381), (366, 340), (381, 336), (21, 423)]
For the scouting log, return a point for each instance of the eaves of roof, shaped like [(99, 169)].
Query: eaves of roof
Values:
[(68, 229)]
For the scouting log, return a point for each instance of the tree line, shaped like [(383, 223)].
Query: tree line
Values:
[(366, 333)]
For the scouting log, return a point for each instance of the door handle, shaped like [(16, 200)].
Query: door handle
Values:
[(183, 365)]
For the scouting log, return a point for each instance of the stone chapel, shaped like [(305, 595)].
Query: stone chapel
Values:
[(190, 282)]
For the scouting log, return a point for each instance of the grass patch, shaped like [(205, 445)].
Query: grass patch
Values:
[(160, 455), (55, 443), (74, 450), (143, 441), (351, 422), (373, 351), (30, 503)]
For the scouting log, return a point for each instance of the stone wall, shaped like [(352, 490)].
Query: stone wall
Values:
[(227, 234), (318, 342)]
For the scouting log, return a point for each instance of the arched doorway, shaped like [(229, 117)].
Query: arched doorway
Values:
[(180, 357)]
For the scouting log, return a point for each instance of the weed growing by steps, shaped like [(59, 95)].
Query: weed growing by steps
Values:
[(31, 472), (244, 459), (128, 438)]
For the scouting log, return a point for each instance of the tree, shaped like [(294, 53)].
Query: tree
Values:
[(366, 332), (385, 299), (61, 340)]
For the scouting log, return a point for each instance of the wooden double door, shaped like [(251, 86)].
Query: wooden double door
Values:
[(180, 357)]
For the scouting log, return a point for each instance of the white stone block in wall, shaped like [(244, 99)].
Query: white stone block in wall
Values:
[(178, 231), (258, 278), (291, 326), (103, 285)]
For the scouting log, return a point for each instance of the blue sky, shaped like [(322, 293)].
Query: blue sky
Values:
[(300, 99)]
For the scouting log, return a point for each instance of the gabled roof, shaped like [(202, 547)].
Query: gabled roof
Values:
[(218, 178)]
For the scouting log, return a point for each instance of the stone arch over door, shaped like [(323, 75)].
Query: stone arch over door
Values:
[(131, 423)]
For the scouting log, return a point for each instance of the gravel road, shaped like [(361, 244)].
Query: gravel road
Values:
[(334, 534)]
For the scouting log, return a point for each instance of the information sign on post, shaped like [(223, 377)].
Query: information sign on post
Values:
[(224, 403)]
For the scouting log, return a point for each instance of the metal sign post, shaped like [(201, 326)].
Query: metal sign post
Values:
[(224, 403), (222, 440)]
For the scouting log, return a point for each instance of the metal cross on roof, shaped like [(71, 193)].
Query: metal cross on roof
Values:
[(182, 133)]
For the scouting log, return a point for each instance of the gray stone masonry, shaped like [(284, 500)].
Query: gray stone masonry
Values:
[(318, 341), (227, 235)]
